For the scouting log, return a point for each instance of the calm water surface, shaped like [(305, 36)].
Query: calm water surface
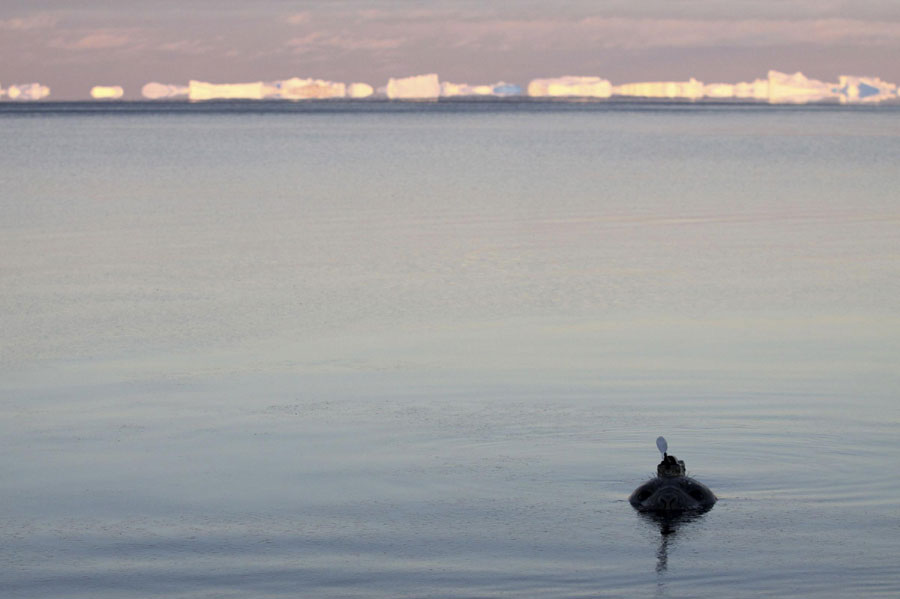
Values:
[(424, 350)]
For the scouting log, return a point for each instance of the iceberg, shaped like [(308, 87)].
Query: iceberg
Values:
[(303, 89), (854, 89), (570, 86), (200, 90), (798, 89), (359, 90), (418, 87), (464, 89), (719, 90), (27, 91), (158, 91), (758, 89), (294, 88), (107, 92), (692, 89)]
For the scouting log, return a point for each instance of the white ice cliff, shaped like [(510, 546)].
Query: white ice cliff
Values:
[(359, 90), (798, 89), (107, 92), (570, 86), (304, 89), (692, 89), (158, 91), (501, 88), (27, 91), (419, 87), (201, 90), (758, 89)]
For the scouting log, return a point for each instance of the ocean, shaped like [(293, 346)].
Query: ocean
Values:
[(387, 349)]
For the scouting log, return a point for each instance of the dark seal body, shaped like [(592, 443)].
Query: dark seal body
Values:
[(672, 492)]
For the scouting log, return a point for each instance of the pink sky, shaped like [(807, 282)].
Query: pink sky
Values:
[(109, 42)]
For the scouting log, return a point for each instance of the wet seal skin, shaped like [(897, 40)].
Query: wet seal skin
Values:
[(672, 491)]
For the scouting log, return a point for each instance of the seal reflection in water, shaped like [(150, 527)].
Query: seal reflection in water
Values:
[(672, 491)]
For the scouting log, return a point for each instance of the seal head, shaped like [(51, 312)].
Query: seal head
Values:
[(672, 491)]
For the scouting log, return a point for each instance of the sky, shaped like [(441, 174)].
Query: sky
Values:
[(72, 45)]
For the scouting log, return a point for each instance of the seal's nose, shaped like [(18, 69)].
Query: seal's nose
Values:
[(668, 500)]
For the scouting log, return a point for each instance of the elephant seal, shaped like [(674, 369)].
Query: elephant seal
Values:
[(672, 491)]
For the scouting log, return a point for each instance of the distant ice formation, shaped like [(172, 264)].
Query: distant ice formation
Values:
[(449, 90), (201, 90), (775, 88), (782, 88), (865, 89), (303, 89), (27, 91), (569, 86), (107, 92), (359, 90), (692, 90), (286, 89), (758, 89), (797, 89), (159, 91), (718, 90), (418, 87)]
